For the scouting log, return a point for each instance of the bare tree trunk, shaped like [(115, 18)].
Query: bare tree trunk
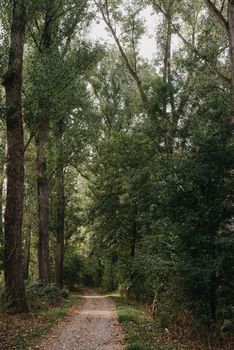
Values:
[(1, 194), (42, 144), (134, 239), (14, 280), (1, 221), (60, 208), (27, 253), (43, 203), (231, 46), (2, 175), (60, 235), (1, 200)]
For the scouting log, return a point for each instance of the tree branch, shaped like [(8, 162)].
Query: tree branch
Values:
[(69, 36), (222, 7), (35, 40), (64, 12), (107, 20), (29, 141), (225, 79), (218, 14)]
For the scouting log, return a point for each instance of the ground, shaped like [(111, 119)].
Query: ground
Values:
[(93, 326)]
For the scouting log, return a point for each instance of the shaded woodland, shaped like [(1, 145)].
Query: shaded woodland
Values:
[(116, 171)]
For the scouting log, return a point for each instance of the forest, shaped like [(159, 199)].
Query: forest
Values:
[(116, 170)]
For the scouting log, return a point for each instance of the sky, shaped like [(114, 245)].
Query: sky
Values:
[(148, 43)]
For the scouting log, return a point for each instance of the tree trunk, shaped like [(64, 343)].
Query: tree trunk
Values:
[(169, 99), (60, 208), (2, 162), (14, 280), (42, 144), (60, 238), (213, 296), (1, 216), (134, 238), (43, 203), (231, 46), (27, 254)]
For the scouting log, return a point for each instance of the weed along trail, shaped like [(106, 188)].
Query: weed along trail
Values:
[(93, 326)]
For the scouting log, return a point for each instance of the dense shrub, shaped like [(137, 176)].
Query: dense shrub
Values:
[(50, 293), (160, 220)]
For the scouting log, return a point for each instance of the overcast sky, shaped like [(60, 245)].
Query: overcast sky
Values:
[(148, 42)]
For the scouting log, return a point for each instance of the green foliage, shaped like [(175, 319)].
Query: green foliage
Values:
[(73, 268), (50, 293), (158, 218), (142, 332), (137, 347), (147, 189)]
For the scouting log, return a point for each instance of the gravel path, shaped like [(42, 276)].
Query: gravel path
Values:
[(93, 326)]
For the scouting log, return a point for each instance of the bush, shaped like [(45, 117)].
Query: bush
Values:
[(50, 293), (64, 293)]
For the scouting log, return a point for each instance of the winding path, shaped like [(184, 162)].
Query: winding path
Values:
[(93, 326)]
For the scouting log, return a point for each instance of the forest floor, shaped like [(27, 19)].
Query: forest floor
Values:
[(94, 321), (93, 326), (24, 332), (109, 322)]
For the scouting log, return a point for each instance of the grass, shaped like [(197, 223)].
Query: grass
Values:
[(142, 332), (24, 332), (145, 333)]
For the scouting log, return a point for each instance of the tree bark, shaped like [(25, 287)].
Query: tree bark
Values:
[(43, 202), (42, 144), (231, 47), (167, 81), (1, 216), (14, 280), (218, 14), (60, 208), (2, 164), (27, 254), (134, 239)]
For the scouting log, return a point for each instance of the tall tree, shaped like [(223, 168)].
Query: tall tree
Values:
[(60, 204), (41, 145), (227, 22), (15, 162)]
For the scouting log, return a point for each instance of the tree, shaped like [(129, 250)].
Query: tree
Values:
[(111, 14), (14, 278)]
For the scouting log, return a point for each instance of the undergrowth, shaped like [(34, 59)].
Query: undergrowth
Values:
[(145, 333), (24, 332), (142, 332)]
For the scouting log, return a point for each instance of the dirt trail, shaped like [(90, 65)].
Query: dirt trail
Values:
[(93, 326)]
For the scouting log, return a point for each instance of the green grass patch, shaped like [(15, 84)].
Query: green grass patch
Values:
[(142, 332), (24, 332)]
